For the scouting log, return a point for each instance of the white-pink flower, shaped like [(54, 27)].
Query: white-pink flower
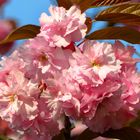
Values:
[(43, 127), (63, 26), (27, 106), (94, 61), (116, 111), (17, 100), (48, 78), (125, 54), (83, 99), (42, 59)]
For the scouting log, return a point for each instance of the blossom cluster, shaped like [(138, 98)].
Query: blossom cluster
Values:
[(50, 77), (6, 26)]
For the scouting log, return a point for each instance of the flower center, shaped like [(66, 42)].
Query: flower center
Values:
[(42, 86), (43, 58), (12, 98), (95, 64)]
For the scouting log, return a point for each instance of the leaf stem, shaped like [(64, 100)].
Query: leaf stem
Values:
[(67, 132)]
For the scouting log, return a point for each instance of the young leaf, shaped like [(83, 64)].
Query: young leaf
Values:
[(125, 13), (88, 23), (76, 1), (85, 4), (125, 133), (122, 33), (24, 32), (107, 2), (65, 3)]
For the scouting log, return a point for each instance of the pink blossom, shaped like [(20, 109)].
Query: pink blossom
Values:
[(11, 63), (16, 101), (116, 111), (26, 106), (63, 26), (48, 78), (36, 60), (83, 85), (94, 62), (131, 89), (84, 99), (113, 102), (44, 127), (125, 54), (42, 59)]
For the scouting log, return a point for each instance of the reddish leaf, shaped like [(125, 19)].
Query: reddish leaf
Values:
[(122, 33), (88, 23), (125, 13), (85, 4), (65, 3), (107, 2), (24, 32)]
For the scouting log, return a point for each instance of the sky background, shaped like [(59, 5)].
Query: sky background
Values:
[(29, 11), (26, 11)]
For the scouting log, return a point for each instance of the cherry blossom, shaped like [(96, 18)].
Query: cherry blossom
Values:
[(63, 26)]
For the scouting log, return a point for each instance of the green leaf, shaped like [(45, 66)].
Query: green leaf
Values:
[(122, 33), (24, 32), (107, 2), (125, 133), (125, 13)]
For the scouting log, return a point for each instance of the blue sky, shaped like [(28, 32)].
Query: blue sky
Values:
[(28, 12)]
